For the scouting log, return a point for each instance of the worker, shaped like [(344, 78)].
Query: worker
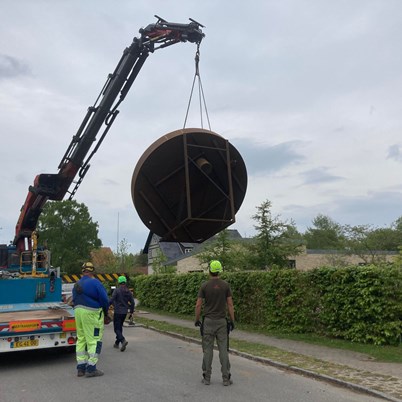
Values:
[(122, 301), (217, 297), (91, 305)]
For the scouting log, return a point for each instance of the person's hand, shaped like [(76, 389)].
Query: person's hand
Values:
[(231, 326), (197, 323)]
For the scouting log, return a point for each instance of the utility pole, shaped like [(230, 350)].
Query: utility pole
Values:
[(118, 229)]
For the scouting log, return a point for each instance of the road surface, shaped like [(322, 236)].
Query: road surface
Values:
[(154, 367)]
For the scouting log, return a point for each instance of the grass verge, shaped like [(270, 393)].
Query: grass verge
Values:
[(385, 384), (388, 354)]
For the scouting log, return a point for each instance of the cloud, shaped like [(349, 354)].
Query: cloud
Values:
[(379, 208), (394, 152), (11, 67), (110, 182), (309, 93), (263, 158), (319, 175)]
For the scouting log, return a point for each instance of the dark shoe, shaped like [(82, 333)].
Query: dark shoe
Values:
[(227, 381), (206, 381), (116, 345), (95, 373), (80, 373), (123, 346)]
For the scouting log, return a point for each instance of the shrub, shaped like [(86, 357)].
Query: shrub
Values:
[(361, 304)]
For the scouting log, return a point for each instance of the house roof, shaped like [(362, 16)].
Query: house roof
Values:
[(147, 243), (171, 250), (175, 251)]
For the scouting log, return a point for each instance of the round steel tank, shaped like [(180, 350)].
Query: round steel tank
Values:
[(188, 185)]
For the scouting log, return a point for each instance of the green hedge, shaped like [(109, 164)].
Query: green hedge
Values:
[(360, 304)]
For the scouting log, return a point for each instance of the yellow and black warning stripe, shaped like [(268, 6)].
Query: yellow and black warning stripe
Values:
[(72, 278)]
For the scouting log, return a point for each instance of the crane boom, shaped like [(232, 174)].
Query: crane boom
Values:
[(101, 115)]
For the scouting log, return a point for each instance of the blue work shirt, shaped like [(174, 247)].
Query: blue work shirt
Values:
[(122, 300), (89, 292)]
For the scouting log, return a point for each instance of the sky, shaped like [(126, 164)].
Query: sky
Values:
[(308, 91)]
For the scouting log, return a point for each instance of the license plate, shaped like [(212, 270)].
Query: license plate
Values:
[(25, 344)]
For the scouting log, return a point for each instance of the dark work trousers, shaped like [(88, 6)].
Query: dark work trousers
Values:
[(215, 329), (118, 320)]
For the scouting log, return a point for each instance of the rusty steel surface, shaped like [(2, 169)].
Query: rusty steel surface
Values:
[(188, 185)]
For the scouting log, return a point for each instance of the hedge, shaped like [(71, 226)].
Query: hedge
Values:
[(360, 304)]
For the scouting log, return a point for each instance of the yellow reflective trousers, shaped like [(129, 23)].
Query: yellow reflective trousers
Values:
[(90, 328)]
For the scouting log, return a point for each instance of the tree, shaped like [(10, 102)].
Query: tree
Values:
[(69, 233), (140, 259), (240, 257), (386, 239), (121, 261), (159, 266), (369, 243), (104, 260), (275, 241), (233, 254), (124, 259), (397, 225), (216, 249), (326, 234)]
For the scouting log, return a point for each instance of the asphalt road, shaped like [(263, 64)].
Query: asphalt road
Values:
[(154, 367)]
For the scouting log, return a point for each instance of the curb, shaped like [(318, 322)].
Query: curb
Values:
[(285, 367)]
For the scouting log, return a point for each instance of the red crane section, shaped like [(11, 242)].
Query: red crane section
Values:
[(101, 115)]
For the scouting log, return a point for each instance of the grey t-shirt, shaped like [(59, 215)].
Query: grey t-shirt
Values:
[(215, 292)]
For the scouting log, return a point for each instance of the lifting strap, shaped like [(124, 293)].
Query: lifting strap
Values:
[(201, 96)]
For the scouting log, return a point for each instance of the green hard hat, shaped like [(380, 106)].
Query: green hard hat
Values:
[(215, 266), (122, 279)]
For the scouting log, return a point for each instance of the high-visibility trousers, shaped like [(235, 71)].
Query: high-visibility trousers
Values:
[(90, 326)]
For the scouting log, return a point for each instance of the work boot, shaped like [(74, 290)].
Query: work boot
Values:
[(227, 381), (80, 373), (206, 380), (123, 346), (95, 373), (116, 345)]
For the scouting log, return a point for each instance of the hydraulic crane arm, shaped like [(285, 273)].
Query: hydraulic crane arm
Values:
[(101, 114)]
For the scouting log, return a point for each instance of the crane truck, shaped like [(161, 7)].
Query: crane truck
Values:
[(32, 314)]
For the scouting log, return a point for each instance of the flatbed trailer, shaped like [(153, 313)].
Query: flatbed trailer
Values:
[(41, 321)]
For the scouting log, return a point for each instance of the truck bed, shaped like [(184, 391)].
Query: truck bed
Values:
[(25, 326), (45, 314)]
